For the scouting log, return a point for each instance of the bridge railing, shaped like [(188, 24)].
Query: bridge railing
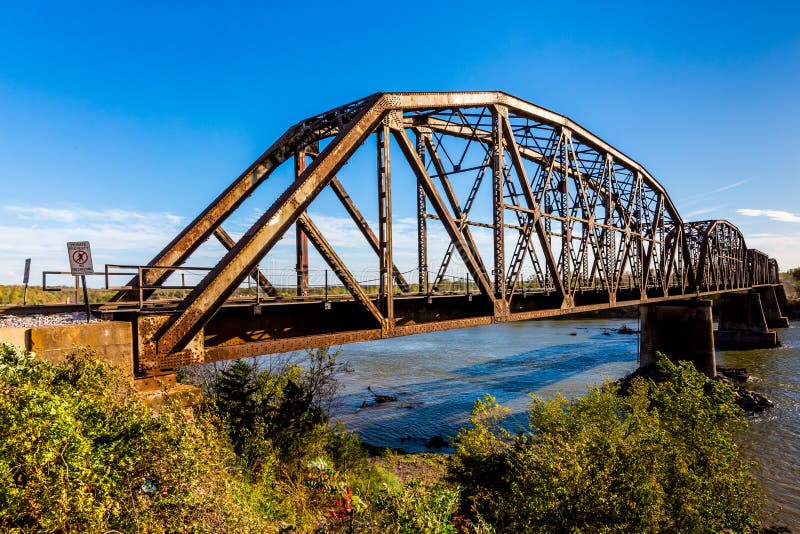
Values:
[(140, 271)]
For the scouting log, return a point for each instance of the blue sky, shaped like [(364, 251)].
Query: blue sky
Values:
[(119, 122)]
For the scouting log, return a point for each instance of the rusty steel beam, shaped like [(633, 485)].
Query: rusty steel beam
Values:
[(386, 289), (617, 229), (499, 113), (366, 231), (301, 239), (485, 136), (422, 223), (201, 304), (458, 214), (533, 205), (200, 229), (337, 265), (416, 101), (227, 241)]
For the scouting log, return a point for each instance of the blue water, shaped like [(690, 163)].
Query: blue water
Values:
[(437, 377)]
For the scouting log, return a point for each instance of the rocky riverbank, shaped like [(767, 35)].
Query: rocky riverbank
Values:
[(750, 401)]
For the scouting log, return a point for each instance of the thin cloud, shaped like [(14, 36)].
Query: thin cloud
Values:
[(701, 211), (42, 214), (706, 194), (775, 215), (729, 186)]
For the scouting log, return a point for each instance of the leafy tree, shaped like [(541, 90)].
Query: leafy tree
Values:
[(234, 398), (659, 459), (795, 273)]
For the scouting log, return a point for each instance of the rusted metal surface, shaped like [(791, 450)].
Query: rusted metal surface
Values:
[(386, 283), (591, 227), (218, 285), (301, 135), (326, 251), (301, 239), (227, 241), (438, 204)]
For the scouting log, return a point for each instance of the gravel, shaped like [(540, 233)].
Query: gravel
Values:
[(27, 321)]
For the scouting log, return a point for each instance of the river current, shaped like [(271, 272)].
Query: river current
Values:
[(437, 377)]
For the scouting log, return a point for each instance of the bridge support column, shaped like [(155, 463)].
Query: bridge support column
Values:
[(772, 308), (683, 330), (742, 324)]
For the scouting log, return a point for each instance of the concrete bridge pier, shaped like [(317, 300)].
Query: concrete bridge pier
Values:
[(683, 330), (742, 323), (772, 307)]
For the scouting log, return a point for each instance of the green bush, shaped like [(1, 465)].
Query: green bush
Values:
[(80, 452), (659, 459)]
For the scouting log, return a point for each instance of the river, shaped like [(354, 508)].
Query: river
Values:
[(437, 377)]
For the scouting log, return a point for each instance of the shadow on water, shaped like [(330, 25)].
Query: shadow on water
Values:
[(428, 406)]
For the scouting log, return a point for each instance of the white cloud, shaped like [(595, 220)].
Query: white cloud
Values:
[(783, 247), (697, 196), (42, 214), (775, 215), (729, 186), (41, 233), (702, 211)]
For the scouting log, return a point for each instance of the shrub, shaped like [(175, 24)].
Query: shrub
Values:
[(80, 452), (659, 459), (415, 509)]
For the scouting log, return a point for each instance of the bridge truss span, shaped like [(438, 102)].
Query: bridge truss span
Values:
[(537, 216)]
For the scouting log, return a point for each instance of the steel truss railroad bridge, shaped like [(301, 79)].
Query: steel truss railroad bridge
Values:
[(590, 228)]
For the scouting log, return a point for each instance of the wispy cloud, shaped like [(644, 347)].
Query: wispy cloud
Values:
[(775, 215), (697, 196), (701, 211), (40, 214), (729, 186)]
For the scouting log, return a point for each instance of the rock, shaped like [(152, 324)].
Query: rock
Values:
[(737, 374), (437, 442), (625, 329), (380, 399), (752, 402)]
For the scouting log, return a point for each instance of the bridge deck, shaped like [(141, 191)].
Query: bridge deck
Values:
[(243, 329)]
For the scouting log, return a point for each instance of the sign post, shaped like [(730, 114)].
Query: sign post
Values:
[(25, 278), (80, 264)]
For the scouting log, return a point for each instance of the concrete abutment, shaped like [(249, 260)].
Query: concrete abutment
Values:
[(770, 301), (113, 342)]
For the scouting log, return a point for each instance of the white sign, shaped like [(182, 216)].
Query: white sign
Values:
[(80, 257)]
